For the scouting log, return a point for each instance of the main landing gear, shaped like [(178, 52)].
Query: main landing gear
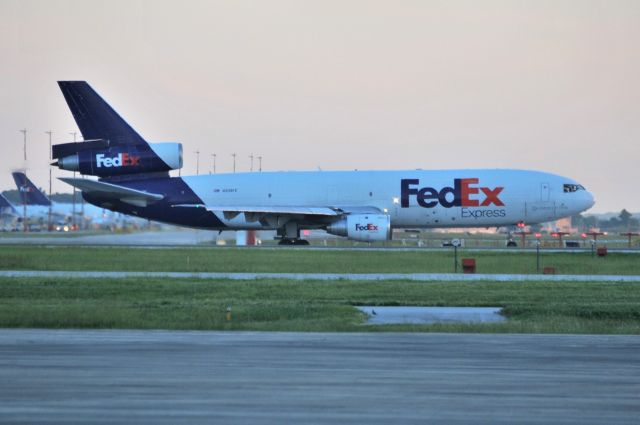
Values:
[(290, 235)]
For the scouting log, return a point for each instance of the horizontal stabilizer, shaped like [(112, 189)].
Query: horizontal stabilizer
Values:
[(135, 197), (5, 205)]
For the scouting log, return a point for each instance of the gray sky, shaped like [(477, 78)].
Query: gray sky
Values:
[(548, 85)]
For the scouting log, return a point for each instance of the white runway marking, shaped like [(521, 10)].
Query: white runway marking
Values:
[(422, 277)]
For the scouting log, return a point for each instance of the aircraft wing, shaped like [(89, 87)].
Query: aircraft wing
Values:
[(255, 213), (113, 191), (259, 212)]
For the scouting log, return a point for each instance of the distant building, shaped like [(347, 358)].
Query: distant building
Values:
[(564, 225)]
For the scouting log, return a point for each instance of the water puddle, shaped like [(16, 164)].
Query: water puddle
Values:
[(428, 315)]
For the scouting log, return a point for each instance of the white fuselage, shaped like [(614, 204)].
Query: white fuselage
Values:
[(412, 198)]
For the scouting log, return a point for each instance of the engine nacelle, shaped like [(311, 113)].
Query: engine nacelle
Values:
[(363, 227), (121, 160)]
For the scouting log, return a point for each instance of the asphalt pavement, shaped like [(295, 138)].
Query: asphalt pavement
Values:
[(158, 377)]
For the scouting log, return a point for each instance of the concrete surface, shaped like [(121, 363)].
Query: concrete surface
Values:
[(382, 315), (177, 238), (157, 377), (422, 277), (184, 237)]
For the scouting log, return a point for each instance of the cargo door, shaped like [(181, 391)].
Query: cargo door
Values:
[(544, 192), (544, 209)]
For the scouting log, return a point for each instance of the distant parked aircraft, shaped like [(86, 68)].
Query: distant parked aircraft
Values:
[(38, 205)]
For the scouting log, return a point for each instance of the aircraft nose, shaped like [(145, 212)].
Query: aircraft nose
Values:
[(588, 201)]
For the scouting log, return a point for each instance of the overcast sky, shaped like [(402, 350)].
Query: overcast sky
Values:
[(546, 85)]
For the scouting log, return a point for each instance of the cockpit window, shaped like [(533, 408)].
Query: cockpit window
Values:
[(570, 188)]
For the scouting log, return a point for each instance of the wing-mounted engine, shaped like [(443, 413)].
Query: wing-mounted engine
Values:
[(363, 227), (99, 158)]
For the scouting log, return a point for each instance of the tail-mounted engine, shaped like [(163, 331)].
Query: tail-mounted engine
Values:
[(363, 227), (98, 158)]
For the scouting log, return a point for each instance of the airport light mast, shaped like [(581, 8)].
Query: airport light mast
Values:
[(538, 235), (23, 195), (49, 224), (73, 198), (630, 235), (594, 241), (523, 233), (24, 133), (559, 235)]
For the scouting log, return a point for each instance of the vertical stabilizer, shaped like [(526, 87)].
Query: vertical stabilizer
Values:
[(95, 118), (29, 193), (111, 149)]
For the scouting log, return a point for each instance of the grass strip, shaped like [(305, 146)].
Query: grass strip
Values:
[(314, 306), (287, 260)]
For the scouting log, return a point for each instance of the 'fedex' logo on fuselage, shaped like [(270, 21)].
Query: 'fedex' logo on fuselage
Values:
[(120, 160), (370, 227), (465, 194)]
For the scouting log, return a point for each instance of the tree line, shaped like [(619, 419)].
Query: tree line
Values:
[(623, 222)]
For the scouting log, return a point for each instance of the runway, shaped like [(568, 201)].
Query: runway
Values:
[(64, 376), (420, 277)]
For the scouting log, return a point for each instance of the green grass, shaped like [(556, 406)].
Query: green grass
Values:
[(288, 260), (271, 305)]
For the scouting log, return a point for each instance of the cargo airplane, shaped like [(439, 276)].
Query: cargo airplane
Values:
[(133, 178)]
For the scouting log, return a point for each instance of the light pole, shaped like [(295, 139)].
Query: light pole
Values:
[(538, 235), (73, 199), (23, 189), (234, 162), (24, 133), (260, 163), (214, 162), (456, 243), (197, 163), (49, 225), (538, 256), (594, 241), (251, 169)]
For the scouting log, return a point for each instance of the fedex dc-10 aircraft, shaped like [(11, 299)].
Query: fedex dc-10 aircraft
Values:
[(133, 179)]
